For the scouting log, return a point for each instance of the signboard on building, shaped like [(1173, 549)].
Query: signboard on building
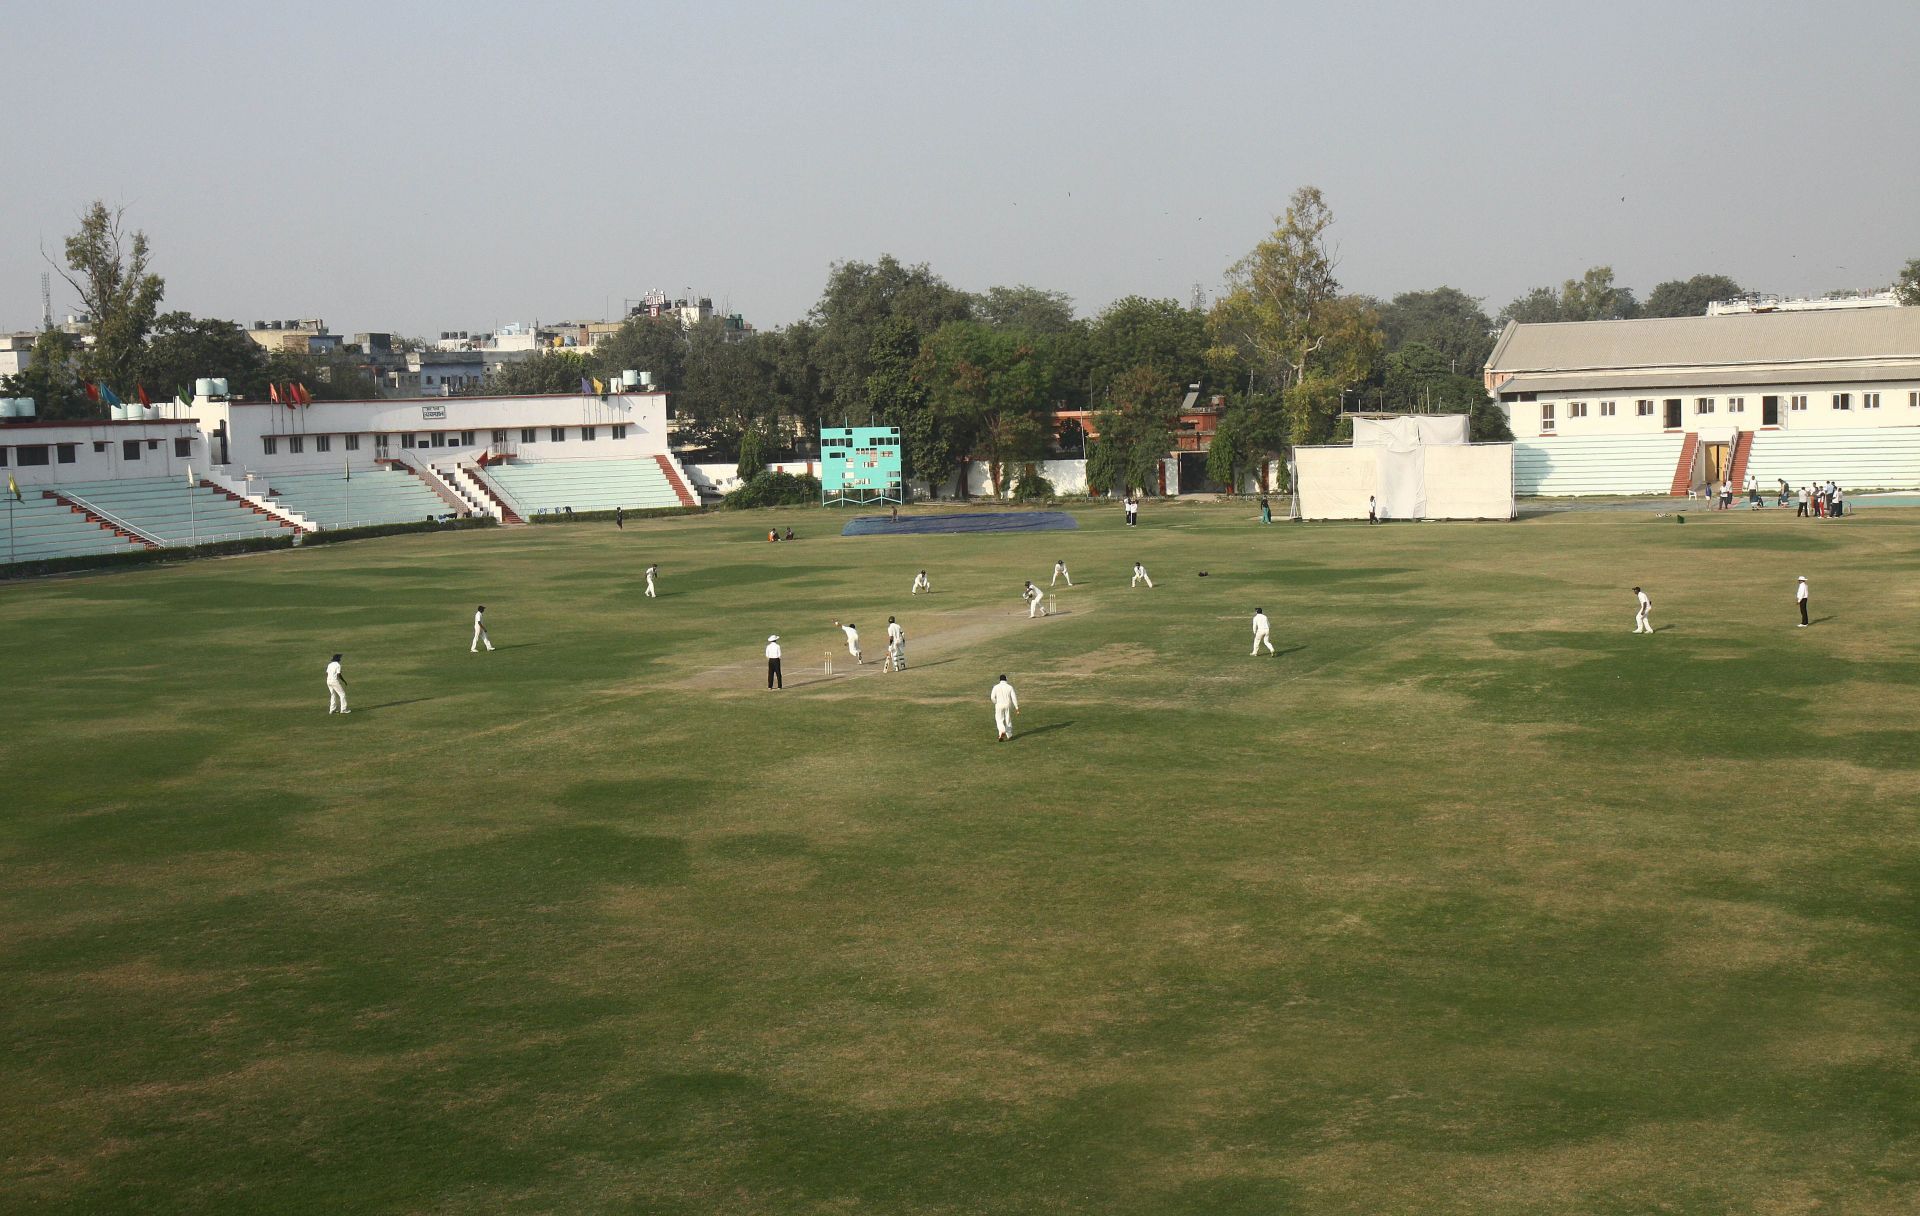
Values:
[(860, 464), (433, 412)]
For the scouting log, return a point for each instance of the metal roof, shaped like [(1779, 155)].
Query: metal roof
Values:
[(1709, 377), (1679, 343)]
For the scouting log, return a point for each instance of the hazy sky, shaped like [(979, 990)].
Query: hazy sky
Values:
[(419, 167)]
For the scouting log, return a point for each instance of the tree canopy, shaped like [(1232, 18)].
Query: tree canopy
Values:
[(107, 266), (1591, 297), (1689, 297)]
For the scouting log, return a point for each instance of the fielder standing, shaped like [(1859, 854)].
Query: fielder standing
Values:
[(1006, 703), (1060, 572), (922, 583), (480, 630), (336, 688), (1140, 576), (1645, 610), (651, 571), (853, 640), (773, 661), (1262, 632)]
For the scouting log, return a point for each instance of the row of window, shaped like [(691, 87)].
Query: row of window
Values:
[(297, 445), (33, 454), (1644, 407)]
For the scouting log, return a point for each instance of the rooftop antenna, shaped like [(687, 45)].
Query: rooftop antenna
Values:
[(46, 300)]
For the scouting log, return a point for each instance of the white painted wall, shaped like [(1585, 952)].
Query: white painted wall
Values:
[(98, 451), (1731, 409), (495, 422)]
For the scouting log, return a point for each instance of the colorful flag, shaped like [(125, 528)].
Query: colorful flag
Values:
[(346, 469), (306, 395), (273, 393), (599, 388), (180, 395), (13, 488), (140, 391), (109, 396), (93, 392), (190, 481), (584, 386)]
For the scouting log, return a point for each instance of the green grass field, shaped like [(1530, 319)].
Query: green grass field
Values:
[(1469, 901)]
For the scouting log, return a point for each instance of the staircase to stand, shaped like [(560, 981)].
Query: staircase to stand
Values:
[(1683, 471), (275, 516), (431, 481), (1742, 451), (679, 484), (474, 477), (91, 516)]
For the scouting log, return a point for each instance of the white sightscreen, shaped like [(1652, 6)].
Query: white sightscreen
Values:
[(1448, 481), (1409, 431)]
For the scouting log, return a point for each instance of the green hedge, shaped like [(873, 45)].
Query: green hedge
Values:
[(253, 544), (331, 536), (775, 489), (38, 567), (606, 517)]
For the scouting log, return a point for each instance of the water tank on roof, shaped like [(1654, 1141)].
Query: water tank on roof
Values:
[(23, 407), (7, 407), (630, 378), (117, 412), (646, 379), (219, 386), (203, 387)]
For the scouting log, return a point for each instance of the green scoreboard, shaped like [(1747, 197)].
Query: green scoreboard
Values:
[(860, 464)]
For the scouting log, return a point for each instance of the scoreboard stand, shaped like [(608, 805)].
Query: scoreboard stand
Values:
[(860, 465)]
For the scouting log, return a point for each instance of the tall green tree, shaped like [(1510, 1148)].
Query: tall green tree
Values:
[(1592, 297), (858, 299), (896, 396), (1908, 286), (646, 344), (1164, 335), (991, 390), (1135, 429), (1025, 308), (1689, 297), (729, 390), (183, 348), (1275, 315), (107, 266), (52, 379), (1445, 319), (554, 371)]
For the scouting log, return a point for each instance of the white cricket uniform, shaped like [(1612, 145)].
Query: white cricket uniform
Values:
[(1140, 576), (336, 689), (921, 583), (650, 570), (1060, 572), (1033, 596), (480, 632), (1640, 622), (1261, 633), (896, 646), (1005, 701), (853, 642)]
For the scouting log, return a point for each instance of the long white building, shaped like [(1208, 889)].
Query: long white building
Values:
[(1662, 406)]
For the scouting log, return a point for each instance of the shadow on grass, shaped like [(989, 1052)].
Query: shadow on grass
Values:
[(1284, 651), (1041, 730), (517, 646), (396, 704)]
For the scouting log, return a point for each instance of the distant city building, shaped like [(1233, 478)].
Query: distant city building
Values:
[(16, 351), (1758, 302), (298, 337)]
